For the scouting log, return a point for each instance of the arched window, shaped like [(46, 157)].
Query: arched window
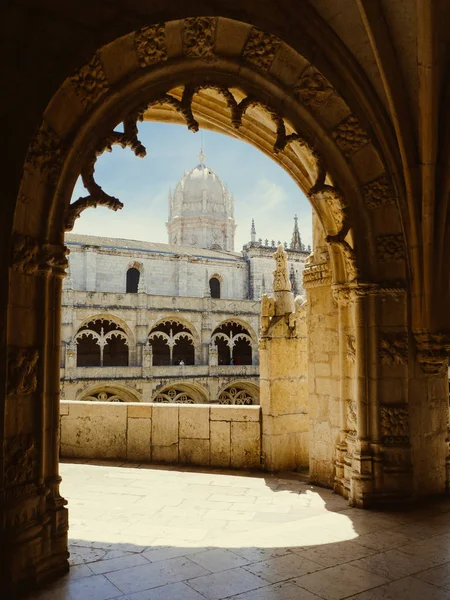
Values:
[(172, 344), (101, 343), (214, 287), (234, 344), (236, 394), (133, 276)]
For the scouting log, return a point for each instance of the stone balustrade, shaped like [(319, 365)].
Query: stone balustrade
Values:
[(200, 434), (166, 371)]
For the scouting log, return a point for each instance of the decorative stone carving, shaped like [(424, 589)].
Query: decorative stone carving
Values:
[(97, 197), (199, 37), (350, 136), (335, 203), (46, 152), (348, 256), (378, 193), (351, 414), (260, 49), (393, 349), (19, 459), (394, 425), (30, 257), (90, 82), (390, 247), (281, 281), (313, 89), (351, 349), (150, 43), (316, 275), (22, 370), (432, 351)]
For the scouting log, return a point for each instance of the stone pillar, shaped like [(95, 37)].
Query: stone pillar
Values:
[(147, 359), (34, 519), (283, 375), (70, 360)]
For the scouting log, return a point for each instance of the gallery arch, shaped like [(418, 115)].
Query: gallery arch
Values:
[(172, 343), (101, 343), (181, 393), (239, 393), (234, 344), (373, 325)]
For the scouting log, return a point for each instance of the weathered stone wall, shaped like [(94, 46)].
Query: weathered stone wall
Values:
[(203, 435), (324, 382)]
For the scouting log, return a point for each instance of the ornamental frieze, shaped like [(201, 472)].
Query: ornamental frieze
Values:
[(316, 275), (22, 370), (350, 136), (378, 193), (390, 247), (260, 49), (394, 425), (393, 349), (150, 44), (313, 89), (199, 37), (90, 82)]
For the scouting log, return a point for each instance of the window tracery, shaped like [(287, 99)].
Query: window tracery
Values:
[(234, 344), (236, 395), (172, 344), (174, 395), (101, 343)]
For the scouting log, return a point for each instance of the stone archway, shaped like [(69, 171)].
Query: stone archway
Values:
[(233, 78)]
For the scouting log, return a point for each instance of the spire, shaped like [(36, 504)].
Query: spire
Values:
[(296, 243), (263, 285), (201, 157), (281, 281), (253, 232)]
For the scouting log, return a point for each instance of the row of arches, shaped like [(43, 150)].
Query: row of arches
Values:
[(103, 342), (241, 393)]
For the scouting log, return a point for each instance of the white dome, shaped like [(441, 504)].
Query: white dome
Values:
[(201, 192), (201, 210)]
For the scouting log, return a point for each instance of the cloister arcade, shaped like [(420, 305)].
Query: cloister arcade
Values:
[(353, 113)]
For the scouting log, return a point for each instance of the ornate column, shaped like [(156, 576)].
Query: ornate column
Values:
[(35, 520)]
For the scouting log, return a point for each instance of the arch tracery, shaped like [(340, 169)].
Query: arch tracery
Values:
[(101, 342), (173, 343)]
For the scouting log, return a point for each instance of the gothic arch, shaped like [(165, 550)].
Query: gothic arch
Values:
[(339, 147), (113, 318), (243, 323), (238, 392), (181, 392), (178, 319), (118, 390)]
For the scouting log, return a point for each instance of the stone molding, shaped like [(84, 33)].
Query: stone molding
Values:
[(390, 247), (150, 44), (316, 275), (313, 89), (20, 450), (22, 370), (394, 425), (345, 294), (378, 193), (432, 351), (199, 36), (30, 257), (260, 49), (393, 349), (46, 153), (90, 82), (350, 136)]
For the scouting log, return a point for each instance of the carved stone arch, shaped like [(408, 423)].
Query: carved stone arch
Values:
[(193, 390), (115, 319), (245, 324), (124, 392), (231, 393), (292, 125), (178, 319)]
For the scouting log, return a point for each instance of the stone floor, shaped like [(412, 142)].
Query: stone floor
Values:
[(141, 532)]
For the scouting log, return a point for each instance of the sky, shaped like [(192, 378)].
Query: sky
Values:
[(262, 189)]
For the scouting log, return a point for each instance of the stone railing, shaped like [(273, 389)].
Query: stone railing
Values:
[(200, 434), (159, 372)]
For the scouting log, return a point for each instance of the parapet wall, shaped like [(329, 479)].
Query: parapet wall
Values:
[(200, 434)]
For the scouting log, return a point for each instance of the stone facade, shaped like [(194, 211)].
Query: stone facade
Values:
[(106, 311)]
